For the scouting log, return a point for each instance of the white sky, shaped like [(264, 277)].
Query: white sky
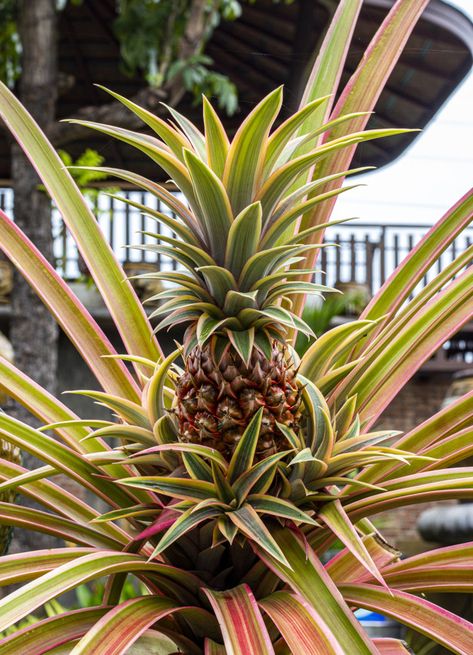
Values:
[(431, 176)]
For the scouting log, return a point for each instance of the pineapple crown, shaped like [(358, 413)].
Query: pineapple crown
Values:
[(236, 239)]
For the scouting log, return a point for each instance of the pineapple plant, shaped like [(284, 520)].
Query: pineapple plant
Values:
[(236, 247), (239, 464)]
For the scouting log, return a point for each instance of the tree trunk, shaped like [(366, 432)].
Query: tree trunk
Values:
[(33, 332)]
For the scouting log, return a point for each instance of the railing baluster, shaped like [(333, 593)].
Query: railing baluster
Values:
[(369, 263), (323, 264), (127, 220), (143, 253), (352, 258), (382, 255), (337, 259), (111, 209), (396, 250), (160, 257)]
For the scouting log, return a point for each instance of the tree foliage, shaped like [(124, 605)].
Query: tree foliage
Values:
[(150, 33)]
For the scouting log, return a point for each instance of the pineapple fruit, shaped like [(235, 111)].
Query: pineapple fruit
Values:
[(218, 396)]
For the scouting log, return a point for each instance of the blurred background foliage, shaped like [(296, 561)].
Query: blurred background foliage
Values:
[(150, 34)]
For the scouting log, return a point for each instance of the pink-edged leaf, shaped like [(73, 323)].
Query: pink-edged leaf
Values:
[(41, 637), (455, 448), (301, 626), (55, 498), (380, 376), (337, 520), (360, 95), (325, 75), (388, 646), (32, 595), (423, 487), (442, 570), (421, 615), (72, 316), (379, 59), (120, 627), (401, 283), (52, 411), (247, 520), (458, 555), (458, 579), (344, 567), (196, 449), (61, 457), (240, 620), (26, 566), (435, 494), (153, 642), (117, 292), (448, 420), (165, 520), (186, 522), (308, 578), (57, 526), (46, 407)]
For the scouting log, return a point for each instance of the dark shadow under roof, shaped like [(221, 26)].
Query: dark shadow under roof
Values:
[(271, 44)]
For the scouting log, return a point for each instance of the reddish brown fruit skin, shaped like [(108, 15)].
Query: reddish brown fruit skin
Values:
[(217, 399)]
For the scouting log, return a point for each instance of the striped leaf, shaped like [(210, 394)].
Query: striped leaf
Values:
[(243, 341), (361, 92), (308, 578), (266, 504), (336, 519), (121, 626), (151, 147), (185, 523), (240, 620), (32, 595), (243, 456), (302, 628), (250, 524), (193, 134), (47, 408), (247, 151), (202, 451), (60, 457), (126, 409), (121, 300), (216, 140), (20, 567), (280, 137), (437, 623), (45, 636), (216, 212), (377, 380), (166, 132), (71, 315), (178, 487), (243, 238), (325, 74), (212, 648)]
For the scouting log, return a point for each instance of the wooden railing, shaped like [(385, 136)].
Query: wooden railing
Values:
[(364, 253)]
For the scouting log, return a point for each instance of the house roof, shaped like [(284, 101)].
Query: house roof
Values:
[(269, 45)]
